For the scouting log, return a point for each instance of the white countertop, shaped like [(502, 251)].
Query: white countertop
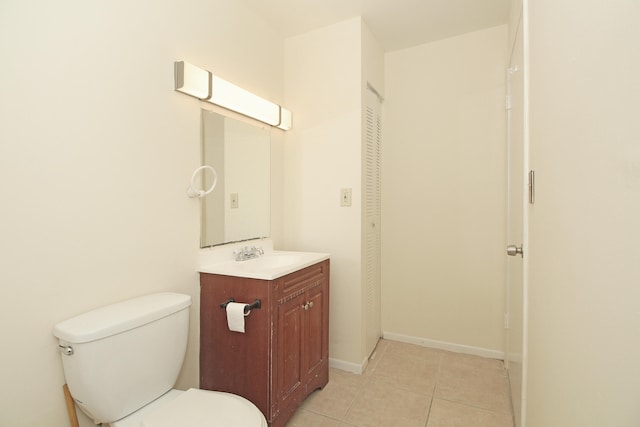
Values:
[(271, 265)]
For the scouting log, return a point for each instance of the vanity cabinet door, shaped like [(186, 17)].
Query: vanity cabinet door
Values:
[(289, 341), (315, 350)]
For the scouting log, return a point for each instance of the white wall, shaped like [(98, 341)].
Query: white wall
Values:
[(443, 191), (96, 152), (372, 63), (584, 324), (323, 85)]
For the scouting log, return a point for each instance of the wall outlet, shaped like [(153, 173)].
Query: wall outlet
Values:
[(234, 200), (345, 197)]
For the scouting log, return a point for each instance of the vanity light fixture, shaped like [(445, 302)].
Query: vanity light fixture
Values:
[(205, 86)]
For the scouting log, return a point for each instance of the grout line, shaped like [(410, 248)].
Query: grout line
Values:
[(457, 402), (433, 396), (350, 406), (435, 387)]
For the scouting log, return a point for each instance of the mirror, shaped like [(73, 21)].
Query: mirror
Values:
[(239, 207)]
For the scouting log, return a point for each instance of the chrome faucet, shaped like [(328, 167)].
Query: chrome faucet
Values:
[(246, 253)]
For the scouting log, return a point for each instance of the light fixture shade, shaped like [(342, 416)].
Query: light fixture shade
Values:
[(192, 80), (241, 101), (203, 85)]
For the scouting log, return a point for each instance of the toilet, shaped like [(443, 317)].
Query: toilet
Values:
[(121, 363)]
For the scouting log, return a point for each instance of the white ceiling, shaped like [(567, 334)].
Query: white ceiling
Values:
[(397, 24)]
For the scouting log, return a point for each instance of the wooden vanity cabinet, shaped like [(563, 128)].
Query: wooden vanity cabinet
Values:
[(283, 355)]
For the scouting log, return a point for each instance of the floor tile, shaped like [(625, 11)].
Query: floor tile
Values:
[(460, 359), (380, 405), (409, 367), (303, 418), (418, 377), (450, 414), (474, 381), (336, 397), (412, 350)]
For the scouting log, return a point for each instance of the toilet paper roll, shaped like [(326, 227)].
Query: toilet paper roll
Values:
[(235, 316)]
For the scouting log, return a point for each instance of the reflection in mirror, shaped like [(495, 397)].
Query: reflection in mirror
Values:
[(239, 207)]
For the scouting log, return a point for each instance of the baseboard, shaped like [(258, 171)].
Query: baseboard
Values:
[(348, 366), (443, 345)]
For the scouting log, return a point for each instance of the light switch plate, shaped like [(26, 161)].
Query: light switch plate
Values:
[(234, 200), (345, 197)]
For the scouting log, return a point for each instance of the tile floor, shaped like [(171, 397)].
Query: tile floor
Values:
[(409, 385)]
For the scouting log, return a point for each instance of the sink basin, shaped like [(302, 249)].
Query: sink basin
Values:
[(270, 261), (271, 265)]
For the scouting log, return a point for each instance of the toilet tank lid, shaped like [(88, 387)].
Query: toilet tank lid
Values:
[(120, 317)]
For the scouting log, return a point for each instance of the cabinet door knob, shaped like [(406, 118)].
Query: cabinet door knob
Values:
[(306, 306), (310, 304)]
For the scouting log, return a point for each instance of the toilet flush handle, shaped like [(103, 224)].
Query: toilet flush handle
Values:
[(65, 349)]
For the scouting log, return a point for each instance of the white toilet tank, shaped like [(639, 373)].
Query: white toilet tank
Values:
[(124, 355)]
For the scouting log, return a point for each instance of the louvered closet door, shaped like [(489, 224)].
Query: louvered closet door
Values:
[(372, 219)]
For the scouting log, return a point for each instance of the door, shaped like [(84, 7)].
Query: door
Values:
[(371, 231), (517, 206)]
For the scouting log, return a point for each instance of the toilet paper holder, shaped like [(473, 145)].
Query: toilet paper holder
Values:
[(247, 309)]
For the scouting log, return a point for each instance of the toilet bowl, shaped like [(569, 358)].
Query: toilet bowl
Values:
[(121, 363)]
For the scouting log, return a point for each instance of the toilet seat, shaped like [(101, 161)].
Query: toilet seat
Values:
[(200, 408)]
